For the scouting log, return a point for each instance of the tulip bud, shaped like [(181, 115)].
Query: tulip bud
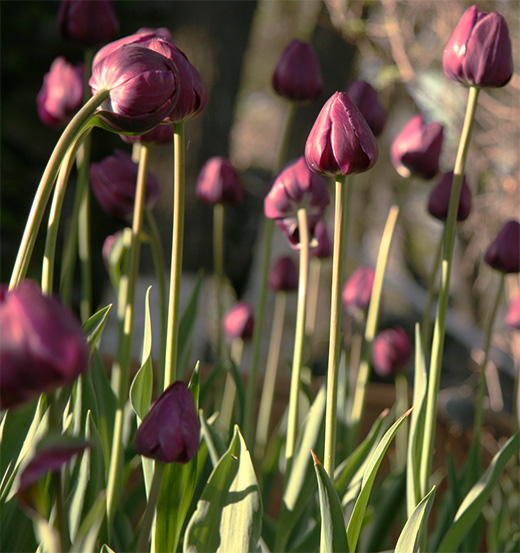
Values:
[(367, 101), (283, 275), (340, 142), (323, 249), (88, 22), (504, 252), (478, 52), (391, 350), (417, 148), (219, 182), (61, 94), (162, 134), (170, 432), (114, 182), (513, 313), (439, 201), (239, 321), (42, 348), (358, 289), (298, 74)]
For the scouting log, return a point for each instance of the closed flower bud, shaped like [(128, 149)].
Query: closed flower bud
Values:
[(42, 348), (114, 182), (367, 101), (239, 321), (298, 74), (283, 275), (504, 252), (478, 52), (88, 22), (170, 432), (162, 134), (340, 142), (439, 201), (323, 248), (219, 182), (61, 94), (417, 148), (513, 313), (358, 289), (391, 351)]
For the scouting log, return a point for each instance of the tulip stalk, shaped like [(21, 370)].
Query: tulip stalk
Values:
[(427, 315), (218, 262), (230, 389)]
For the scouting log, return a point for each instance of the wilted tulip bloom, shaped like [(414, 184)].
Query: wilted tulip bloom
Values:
[(219, 182), (417, 148), (439, 201), (479, 50), (162, 134), (239, 321), (340, 142), (366, 99), (323, 249), (513, 313), (88, 22), (61, 94), (297, 75), (283, 275), (391, 350), (42, 348), (114, 182), (358, 289), (504, 252), (170, 432)]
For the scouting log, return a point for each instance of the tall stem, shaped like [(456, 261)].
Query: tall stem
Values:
[(230, 388), (151, 505), (218, 262), (427, 315), (314, 288)]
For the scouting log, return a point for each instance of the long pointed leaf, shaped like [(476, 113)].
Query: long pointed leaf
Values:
[(94, 326), (410, 537)]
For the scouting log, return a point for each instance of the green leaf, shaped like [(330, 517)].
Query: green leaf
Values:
[(333, 533), (229, 513), (410, 537), (194, 384), (94, 326), (212, 439), (86, 537)]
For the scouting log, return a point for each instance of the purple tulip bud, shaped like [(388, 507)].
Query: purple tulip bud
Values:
[(513, 313), (42, 348), (478, 52), (417, 148), (219, 182), (340, 142), (239, 321), (114, 182), (298, 74), (323, 249), (170, 432), (504, 252), (88, 22), (367, 101), (358, 289), (391, 350), (439, 201), (283, 275), (61, 94), (162, 134)]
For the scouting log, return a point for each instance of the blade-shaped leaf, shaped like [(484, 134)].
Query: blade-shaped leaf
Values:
[(211, 437), (94, 326), (86, 537), (410, 537)]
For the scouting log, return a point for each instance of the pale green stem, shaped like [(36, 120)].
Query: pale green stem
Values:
[(230, 389), (442, 306), (151, 506), (312, 300), (218, 262), (427, 315), (401, 438), (41, 198)]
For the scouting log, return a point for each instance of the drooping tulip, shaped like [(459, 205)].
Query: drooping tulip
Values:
[(219, 182), (391, 351), (283, 275), (358, 289), (439, 201), (367, 101), (238, 322), (503, 254)]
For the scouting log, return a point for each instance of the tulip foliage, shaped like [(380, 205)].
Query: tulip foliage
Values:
[(157, 451)]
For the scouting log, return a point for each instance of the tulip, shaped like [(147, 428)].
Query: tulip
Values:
[(238, 322), (283, 275), (42, 348), (114, 181), (478, 52), (417, 148), (170, 432), (391, 350), (340, 142), (323, 249), (88, 22), (297, 75), (440, 199), (219, 182), (503, 254), (61, 94), (358, 289), (367, 101), (162, 134), (513, 313)]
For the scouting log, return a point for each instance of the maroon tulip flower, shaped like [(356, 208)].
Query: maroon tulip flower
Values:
[(42, 348), (283, 275), (114, 182), (504, 252), (297, 75), (513, 313), (367, 101), (61, 94), (323, 249), (417, 148), (391, 351), (439, 201), (479, 50), (162, 134), (358, 289), (219, 182), (88, 22), (239, 321), (170, 432), (340, 142)]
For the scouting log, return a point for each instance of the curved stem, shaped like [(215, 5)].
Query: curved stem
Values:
[(151, 505), (218, 261)]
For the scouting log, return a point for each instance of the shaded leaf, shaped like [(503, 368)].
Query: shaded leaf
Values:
[(410, 537)]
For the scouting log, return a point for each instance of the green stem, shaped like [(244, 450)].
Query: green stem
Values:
[(401, 437), (151, 506), (312, 301), (427, 315), (218, 261), (230, 389)]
